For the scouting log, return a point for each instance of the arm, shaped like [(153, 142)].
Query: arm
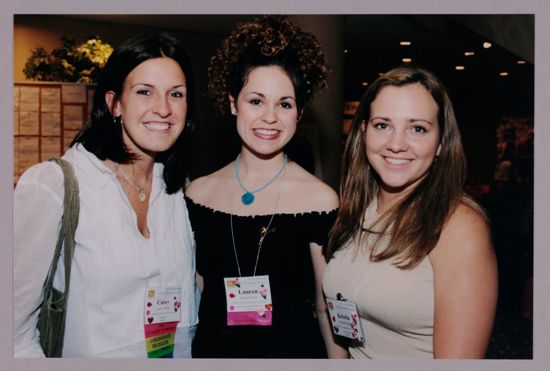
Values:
[(190, 192), (334, 350), (38, 207), (466, 285), (200, 282)]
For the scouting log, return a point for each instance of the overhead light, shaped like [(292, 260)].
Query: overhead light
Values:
[(469, 54), (345, 51), (521, 62), (406, 60), (459, 68), (487, 45), (364, 83), (405, 43), (503, 73)]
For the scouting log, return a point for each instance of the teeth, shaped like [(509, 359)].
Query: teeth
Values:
[(397, 161), (267, 131), (157, 126)]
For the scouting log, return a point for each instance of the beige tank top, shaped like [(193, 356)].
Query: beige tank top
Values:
[(396, 306)]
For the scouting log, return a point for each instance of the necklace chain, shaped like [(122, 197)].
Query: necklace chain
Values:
[(248, 197), (263, 234), (141, 190)]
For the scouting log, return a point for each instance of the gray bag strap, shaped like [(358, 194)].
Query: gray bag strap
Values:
[(69, 221)]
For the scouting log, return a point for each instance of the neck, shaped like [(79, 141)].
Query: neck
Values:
[(386, 200), (258, 167), (388, 197), (139, 170)]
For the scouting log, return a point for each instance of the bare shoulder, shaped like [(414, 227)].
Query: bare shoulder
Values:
[(193, 189), (465, 236), (310, 193), (465, 284), (467, 224), (201, 189)]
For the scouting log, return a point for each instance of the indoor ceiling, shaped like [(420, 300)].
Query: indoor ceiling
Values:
[(438, 42)]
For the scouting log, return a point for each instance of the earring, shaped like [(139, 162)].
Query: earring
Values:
[(363, 127), (117, 120)]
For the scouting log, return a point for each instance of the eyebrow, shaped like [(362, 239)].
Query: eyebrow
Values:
[(409, 120), (263, 95), (184, 85)]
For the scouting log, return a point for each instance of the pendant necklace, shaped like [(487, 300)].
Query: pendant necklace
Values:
[(141, 190), (263, 233), (248, 197)]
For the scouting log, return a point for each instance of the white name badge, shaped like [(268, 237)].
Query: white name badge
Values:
[(162, 304), (248, 301), (345, 320)]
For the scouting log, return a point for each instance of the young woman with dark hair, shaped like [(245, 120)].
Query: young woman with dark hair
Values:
[(260, 221), (133, 239)]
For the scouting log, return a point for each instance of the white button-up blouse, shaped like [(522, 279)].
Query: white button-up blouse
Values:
[(113, 263)]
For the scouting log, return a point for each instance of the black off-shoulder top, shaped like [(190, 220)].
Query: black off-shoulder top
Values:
[(285, 256)]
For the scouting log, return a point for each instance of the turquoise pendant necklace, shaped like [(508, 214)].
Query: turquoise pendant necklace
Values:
[(248, 197)]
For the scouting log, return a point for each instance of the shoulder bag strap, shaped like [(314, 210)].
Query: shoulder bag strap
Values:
[(69, 221)]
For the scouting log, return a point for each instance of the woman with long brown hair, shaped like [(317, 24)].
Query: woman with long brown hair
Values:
[(410, 253)]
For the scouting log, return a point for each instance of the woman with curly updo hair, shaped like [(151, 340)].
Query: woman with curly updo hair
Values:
[(261, 221)]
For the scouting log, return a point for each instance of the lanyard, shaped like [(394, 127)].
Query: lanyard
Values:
[(263, 233)]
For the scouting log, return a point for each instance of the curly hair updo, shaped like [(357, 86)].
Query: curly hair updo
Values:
[(267, 41)]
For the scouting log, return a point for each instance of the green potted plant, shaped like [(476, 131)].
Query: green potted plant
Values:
[(69, 63)]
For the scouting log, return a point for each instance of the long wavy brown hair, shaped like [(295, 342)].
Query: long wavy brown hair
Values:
[(417, 220)]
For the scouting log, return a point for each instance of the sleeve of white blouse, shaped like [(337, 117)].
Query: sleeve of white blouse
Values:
[(38, 208)]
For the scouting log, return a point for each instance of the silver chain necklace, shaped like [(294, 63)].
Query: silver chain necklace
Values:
[(141, 190)]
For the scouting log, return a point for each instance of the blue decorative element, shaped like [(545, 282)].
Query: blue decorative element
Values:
[(248, 197)]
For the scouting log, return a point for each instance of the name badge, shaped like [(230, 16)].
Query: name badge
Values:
[(248, 301), (345, 320), (162, 312)]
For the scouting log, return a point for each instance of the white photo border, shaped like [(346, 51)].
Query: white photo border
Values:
[(541, 10)]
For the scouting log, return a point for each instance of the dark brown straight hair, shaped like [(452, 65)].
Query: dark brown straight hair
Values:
[(103, 137)]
